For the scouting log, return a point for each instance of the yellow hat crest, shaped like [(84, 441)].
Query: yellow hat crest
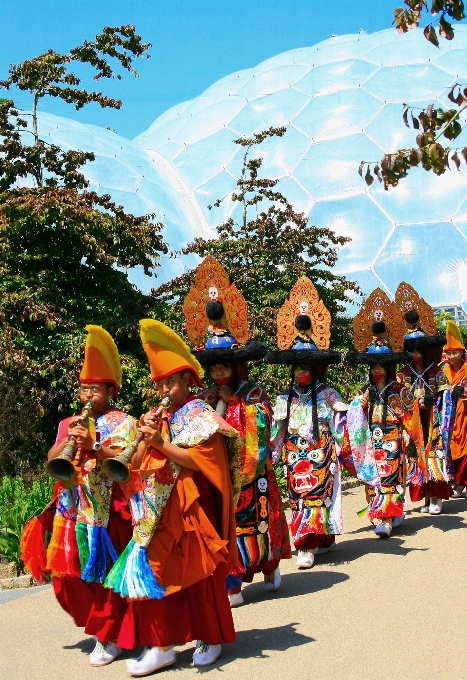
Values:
[(101, 359)]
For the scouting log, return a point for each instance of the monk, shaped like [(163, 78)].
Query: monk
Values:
[(456, 373)]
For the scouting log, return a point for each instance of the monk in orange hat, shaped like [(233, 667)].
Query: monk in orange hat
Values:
[(184, 542), (456, 372), (89, 516)]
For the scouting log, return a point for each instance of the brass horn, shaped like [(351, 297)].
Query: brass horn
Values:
[(117, 468), (61, 467)]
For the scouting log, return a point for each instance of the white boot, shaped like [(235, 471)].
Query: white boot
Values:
[(397, 521), (104, 653), (205, 654), (436, 505), (150, 660), (272, 582), (383, 528), (305, 559), (236, 599)]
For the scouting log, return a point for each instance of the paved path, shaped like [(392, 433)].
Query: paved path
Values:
[(371, 609)]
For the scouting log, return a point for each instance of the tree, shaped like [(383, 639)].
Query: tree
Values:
[(434, 123), (60, 246), (405, 19), (264, 254)]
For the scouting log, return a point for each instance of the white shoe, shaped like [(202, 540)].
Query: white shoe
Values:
[(305, 559), (436, 505), (424, 508), (104, 653), (397, 521), (274, 581), (383, 529), (236, 599), (205, 654), (457, 490), (150, 660), (323, 551)]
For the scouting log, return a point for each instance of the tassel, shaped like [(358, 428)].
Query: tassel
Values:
[(33, 552), (95, 548), (62, 552), (386, 505), (132, 576)]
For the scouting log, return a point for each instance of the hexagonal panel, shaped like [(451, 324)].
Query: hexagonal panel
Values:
[(387, 129), (274, 110), (400, 83), (417, 253), (330, 168), (271, 81), (359, 219), (422, 197), (198, 162), (339, 75), (337, 115)]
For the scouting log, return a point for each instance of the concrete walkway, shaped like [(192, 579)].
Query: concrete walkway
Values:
[(372, 608)]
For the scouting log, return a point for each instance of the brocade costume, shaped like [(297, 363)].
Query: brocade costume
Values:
[(458, 421), (429, 466), (311, 466), (262, 533)]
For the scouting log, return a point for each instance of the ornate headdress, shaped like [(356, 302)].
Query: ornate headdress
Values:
[(167, 353), (420, 333), (216, 318), (454, 338), (378, 331), (303, 328), (101, 359)]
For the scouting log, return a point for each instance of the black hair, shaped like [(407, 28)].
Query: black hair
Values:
[(302, 322), (378, 327), (215, 310), (411, 316)]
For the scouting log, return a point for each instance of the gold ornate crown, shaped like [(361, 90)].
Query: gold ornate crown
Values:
[(212, 283), (407, 299), (378, 307), (303, 299)]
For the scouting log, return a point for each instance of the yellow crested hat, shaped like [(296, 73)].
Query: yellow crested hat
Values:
[(453, 335), (167, 353), (101, 359)]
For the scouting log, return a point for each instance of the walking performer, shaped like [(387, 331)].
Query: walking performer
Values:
[(308, 422), (456, 404), (429, 465), (216, 322), (174, 570), (376, 416), (89, 517)]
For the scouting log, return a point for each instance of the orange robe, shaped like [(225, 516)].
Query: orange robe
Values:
[(459, 431)]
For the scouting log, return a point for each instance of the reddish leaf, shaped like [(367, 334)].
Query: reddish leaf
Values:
[(405, 117), (456, 160), (430, 34), (368, 177), (445, 29), (415, 123)]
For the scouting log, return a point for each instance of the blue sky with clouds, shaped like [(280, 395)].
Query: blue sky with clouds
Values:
[(195, 42)]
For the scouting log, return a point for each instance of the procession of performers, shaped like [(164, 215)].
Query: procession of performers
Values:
[(155, 525)]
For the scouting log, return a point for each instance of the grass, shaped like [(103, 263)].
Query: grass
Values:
[(19, 501)]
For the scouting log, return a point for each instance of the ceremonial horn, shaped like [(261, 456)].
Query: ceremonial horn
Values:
[(61, 467)]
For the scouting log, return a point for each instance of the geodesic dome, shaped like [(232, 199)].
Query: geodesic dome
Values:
[(142, 183), (341, 101)]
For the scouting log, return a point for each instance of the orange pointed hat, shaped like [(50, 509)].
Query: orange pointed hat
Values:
[(167, 353), (454, 339), (101, 359)]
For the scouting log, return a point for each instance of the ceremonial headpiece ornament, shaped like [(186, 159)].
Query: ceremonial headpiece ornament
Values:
[(453, 336), (379, 331), (216, 318), (303, 328), (420, 333), (167, 353), (101, 359)]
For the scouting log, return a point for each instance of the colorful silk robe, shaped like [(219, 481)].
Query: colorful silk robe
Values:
[(262, 532), (311, 467), (458, 433), (80, 545), (428, 454), (151, 494), (385, 422)]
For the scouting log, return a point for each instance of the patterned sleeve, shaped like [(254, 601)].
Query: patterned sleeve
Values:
[(123, 435)]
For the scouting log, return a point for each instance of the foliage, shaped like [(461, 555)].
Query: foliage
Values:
[(435, 123), (63, 252), (404, 19), (18, 503)]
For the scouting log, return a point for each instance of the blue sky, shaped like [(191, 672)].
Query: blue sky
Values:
[(195, 42)]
